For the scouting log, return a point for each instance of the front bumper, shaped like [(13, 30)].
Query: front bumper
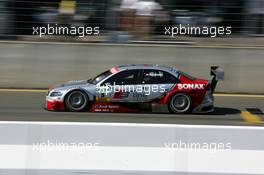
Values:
[(54, 105)]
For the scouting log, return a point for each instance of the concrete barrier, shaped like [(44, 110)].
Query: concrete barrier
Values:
[(110, 148), (34, 65)]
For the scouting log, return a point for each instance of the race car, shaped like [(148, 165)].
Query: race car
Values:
[(137, 88)]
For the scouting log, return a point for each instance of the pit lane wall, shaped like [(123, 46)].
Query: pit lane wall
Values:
[(120, 148), (35, 65)]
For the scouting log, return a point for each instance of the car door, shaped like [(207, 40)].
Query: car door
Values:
[(121, 87), (156, 83)]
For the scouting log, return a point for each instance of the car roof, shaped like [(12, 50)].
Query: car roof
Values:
[(146, 66)]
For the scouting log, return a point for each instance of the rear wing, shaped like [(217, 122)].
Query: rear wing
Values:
[(218, 74)]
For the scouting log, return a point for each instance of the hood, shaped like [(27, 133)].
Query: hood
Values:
[(72, 83)]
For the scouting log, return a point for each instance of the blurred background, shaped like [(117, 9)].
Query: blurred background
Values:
[(131, 31), (126, 20)]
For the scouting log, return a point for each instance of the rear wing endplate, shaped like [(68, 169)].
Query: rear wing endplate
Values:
[(218, 74)]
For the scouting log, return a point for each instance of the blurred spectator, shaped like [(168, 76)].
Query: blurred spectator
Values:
[(256, 17), (161, 19), (47, 15), (3, 18), (145, 11), (24, 18), (90, 13), (28, 14), (136, 17), (127, 15), (66, 11), (232, 14), (85, 11), (113, 10)]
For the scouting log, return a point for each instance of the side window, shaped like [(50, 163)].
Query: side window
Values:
[(158, 77), (170, 79), (123, 78)]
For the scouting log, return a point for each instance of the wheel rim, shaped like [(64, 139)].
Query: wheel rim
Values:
[(180, 103), (77, 100)]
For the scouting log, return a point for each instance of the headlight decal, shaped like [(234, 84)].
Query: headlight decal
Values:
[(55, 94)]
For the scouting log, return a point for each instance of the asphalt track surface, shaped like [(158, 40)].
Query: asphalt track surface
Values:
[(230, 110)]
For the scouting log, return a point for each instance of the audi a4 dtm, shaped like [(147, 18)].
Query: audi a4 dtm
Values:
[(137, 88)]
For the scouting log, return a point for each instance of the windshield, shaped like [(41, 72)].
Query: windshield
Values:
[(100, 77)]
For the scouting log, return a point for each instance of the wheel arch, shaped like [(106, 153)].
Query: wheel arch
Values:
[(181, 92), (171, 94), (89, 95)]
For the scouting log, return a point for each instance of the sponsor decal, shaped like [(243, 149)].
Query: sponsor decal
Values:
[(139, 95), (153, 74), (121, 95), (103, 99), (114, 70), (190, 86), (106, 108)]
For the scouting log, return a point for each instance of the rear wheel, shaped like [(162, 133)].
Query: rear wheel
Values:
[(77, 101), (180, 103)]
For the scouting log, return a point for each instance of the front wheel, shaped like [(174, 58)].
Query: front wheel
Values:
[(77, 101), (180, 103)]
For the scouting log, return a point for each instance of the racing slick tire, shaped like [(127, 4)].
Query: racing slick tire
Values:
[(180, 103), (77, 101)]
